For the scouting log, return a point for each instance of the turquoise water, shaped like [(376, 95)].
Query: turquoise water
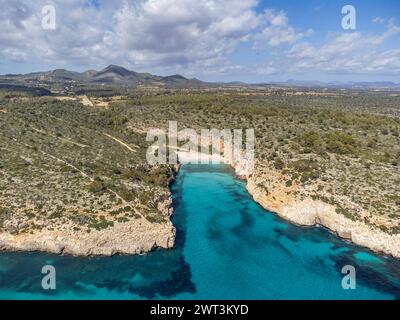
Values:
[(228, 247)]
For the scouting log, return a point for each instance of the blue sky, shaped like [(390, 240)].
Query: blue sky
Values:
[(325, 18), (215, 40)]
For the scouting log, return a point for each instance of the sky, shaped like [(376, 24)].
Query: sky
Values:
[(213, 40)]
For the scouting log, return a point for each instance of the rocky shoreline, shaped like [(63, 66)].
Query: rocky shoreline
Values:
[(137, 236), (275, 197), (134, 237)]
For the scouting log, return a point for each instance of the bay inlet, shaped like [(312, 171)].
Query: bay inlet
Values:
[(227, 247)]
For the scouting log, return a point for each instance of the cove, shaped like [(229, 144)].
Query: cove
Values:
[(227, 247)]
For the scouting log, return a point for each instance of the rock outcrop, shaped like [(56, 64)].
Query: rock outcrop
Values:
[(274, 196), (134, 237)]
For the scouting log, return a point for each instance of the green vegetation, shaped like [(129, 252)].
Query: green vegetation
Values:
[(64, 167), (340, 144), (97, 186)]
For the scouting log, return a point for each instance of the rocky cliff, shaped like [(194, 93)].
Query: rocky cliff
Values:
[(134, 237), (275, 196)]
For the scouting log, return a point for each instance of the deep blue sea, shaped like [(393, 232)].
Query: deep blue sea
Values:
[(228, 247)]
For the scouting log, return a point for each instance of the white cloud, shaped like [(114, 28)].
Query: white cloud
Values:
[(346, 53), (134, 33), (180, 32), (80, 30), (189, 36), (378, 20), (277, 31)]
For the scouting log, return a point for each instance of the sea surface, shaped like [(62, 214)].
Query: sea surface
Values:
[(228, 247)]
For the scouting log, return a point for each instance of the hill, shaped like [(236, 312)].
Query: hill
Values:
[(111, 75)]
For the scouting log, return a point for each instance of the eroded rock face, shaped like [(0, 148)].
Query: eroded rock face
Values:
[(133, 237), (275, 196), (136, 236), (164, 204)]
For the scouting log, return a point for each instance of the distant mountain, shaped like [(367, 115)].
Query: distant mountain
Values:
[(375, 85), (115, 71), (339, 85), (110, 75), (114, 75)]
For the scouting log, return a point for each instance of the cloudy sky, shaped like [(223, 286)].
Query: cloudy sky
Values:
[(217, 40)]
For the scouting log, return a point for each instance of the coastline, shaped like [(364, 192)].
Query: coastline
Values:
[(134, 237), (277, 198), (137, 236), (308, 212)]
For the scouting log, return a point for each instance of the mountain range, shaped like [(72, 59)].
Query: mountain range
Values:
[(337, 84), (111, 75), (120, 76)]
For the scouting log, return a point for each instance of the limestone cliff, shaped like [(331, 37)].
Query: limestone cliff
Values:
[(275, 196), (133, 237)]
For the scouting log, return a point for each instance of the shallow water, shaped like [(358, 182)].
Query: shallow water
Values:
[(228, 247)]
